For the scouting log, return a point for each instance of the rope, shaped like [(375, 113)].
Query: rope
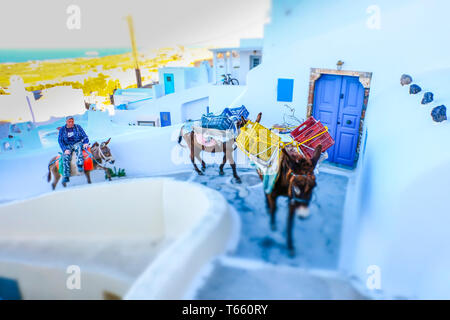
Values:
[(283, 128), (250, 134)]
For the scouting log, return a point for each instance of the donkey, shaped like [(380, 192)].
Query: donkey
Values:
[(193, 142), (296, 180), (101, 155)]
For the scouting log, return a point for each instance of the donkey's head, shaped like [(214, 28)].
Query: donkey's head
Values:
[(101, 152), (242, 122), (300, 179)]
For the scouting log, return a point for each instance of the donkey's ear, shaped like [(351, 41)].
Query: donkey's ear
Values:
[(316, 156), (107, 141), (258, 118), (95, 144)]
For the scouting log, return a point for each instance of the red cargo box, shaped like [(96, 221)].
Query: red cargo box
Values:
[(310, 134)]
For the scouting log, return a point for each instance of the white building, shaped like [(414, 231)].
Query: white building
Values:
[(122, 97), (397, 212), (237, 61), (182, 93), (176, 79)]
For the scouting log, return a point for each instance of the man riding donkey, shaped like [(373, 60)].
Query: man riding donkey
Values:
[(72, 138)]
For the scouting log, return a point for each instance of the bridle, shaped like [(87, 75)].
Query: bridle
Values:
[(102, 157), (291, 178)]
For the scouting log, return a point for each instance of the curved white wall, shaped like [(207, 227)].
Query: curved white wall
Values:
[(113, 231)]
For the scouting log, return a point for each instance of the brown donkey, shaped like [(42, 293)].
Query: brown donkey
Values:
[(101, 155), (296, 180), (227, 147)]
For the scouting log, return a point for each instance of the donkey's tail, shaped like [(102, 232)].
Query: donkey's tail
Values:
[(180, 137), (49, 175)]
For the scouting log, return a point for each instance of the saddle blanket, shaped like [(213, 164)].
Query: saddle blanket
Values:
[(209, 137), (88, 162)]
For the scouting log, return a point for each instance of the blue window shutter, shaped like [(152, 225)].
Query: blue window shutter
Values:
[(165, 119), (285, 90)]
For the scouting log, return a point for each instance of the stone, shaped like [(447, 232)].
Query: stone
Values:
[(414, 89), (405, 79), (439, 114), (427, 98)]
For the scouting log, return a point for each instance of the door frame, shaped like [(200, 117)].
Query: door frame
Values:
[(365, 78)]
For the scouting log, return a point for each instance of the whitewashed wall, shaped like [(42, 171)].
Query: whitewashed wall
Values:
[(113, 242), (404, 146)]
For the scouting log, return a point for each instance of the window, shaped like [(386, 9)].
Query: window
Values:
[(285, 90), (147, 123), (255, 61)]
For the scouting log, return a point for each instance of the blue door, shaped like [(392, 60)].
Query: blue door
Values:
[(338, 102), (169, 86), (165, 119), (255, 61)]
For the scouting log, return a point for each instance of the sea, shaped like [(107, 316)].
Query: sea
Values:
[(24, 55)]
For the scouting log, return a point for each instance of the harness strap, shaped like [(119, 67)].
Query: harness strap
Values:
[(291, 176), (95, 160)]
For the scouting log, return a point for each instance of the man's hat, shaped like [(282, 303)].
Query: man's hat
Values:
[(69, 117)]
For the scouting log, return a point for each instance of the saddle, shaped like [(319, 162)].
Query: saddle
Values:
[(204, 140), (88, 161), (210, 137)]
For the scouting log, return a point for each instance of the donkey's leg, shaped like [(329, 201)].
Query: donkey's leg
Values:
[(203, 165), (201, 160), (56, 177), (224, 149), (272, 204), (229, 154), (193, 155), (290, 226), (108, 174), (197, 155), (88, 176)]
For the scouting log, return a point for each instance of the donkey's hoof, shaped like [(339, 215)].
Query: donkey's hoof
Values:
[(200, 173), (64, 184), (291, 252), (221, 173), (203, 169), (238, 180), (273, 227)]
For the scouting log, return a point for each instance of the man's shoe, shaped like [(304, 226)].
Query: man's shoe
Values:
[(65, 180)]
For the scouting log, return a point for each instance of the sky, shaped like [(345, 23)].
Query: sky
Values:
[(43, 23)]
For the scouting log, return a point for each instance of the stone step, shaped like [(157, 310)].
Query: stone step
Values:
[(242, 279)]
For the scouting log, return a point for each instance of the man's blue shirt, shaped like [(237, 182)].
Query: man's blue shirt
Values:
[(69, 136)]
